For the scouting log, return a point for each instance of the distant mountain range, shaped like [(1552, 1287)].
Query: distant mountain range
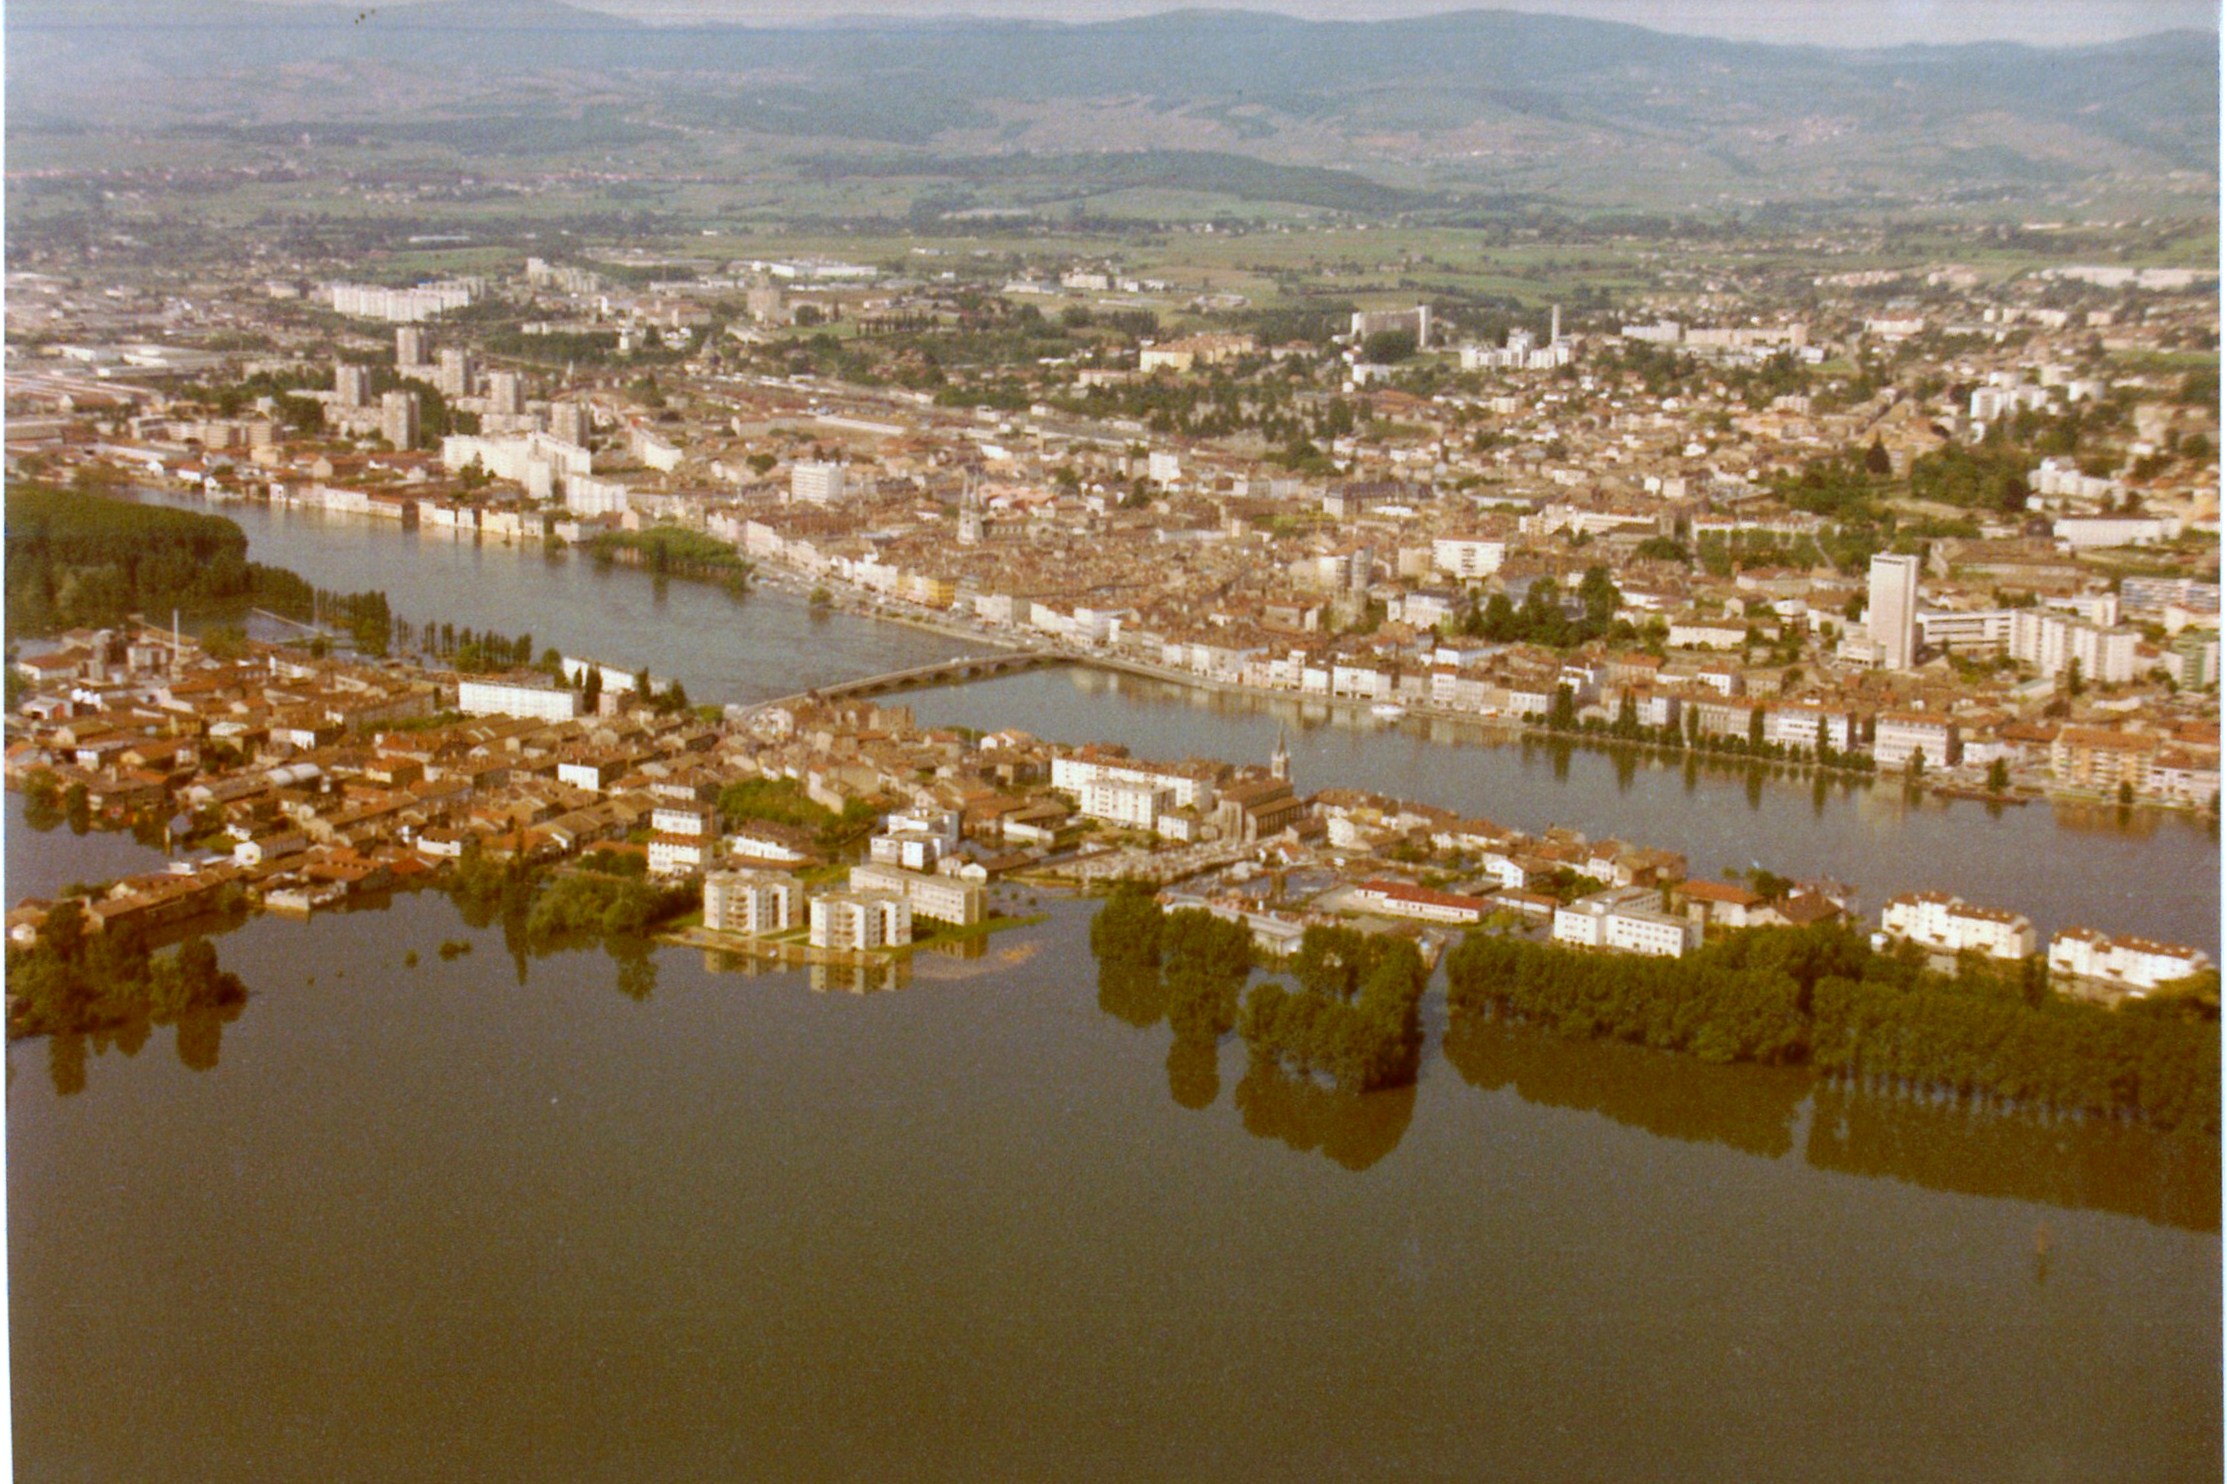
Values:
[(1437, 108)]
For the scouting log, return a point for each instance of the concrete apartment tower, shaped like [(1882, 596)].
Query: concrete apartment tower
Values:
[(1894, 610), (568, 423), (454, 375), (398, 419), (505, 395), (352, 385), (409, 347), (812, 482)]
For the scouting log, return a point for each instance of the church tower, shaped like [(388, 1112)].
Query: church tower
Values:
[(1279, 761)]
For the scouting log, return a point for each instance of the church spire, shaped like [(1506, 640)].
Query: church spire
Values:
[(1279, 761)]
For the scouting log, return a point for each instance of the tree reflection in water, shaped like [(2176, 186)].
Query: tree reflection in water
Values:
[(201, 1034), (1748, 1108), (1132, 993), (1935, 1143), (1194, 1072), (65, 1062), (1947, 1144), (1355, 1129)]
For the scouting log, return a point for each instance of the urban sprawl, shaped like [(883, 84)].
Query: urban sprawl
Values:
[(1956, 526)]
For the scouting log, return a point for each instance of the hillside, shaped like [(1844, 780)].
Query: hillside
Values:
[(1440, 109)]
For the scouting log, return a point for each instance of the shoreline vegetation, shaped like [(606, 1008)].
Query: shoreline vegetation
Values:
[(1820, 998), (114, 988), (674, 551)]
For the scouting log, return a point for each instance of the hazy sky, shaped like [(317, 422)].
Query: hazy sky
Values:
[(1861, 23)]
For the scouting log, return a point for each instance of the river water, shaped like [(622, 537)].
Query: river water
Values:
[(493, 1217), (482, 1217)]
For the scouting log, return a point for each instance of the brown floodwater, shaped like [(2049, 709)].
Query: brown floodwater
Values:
[(501, 1217)]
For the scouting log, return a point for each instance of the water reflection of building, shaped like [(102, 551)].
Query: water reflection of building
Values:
[(857, 978), (749, 967)]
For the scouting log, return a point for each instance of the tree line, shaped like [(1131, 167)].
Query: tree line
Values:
[(81, 560), (675, 551), (1353, 1018), (74, 982), (543, 909), (1823, 997)]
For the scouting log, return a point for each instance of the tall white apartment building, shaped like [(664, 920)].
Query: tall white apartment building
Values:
[(2051, 641), (1894, 609), (352, 385), (756, 902), (816, 483), (1468, 556), (860, 921), (569, 422), (505, 393), (453, 373), (398, 419)]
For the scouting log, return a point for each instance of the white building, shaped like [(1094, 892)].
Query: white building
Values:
[(398, 419), (1136, 804), (1646, 930), (1897, 735), (757, 902), (816, 483), (370, 301), (2136, 965), (1186, 789), (2082, 531), (1952, 925), (1806, 726), (2050, 642), (1624, 922), (1468, 556), (860, 921), (1986, 631), (1400, 899), (539, 698), (939, 898), (1894, 609)]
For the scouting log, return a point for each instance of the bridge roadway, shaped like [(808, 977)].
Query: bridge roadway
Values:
[(946, 672)]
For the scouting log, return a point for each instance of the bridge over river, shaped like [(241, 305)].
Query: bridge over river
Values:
[(947, 672)]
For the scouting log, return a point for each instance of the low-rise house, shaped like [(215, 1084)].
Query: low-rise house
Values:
[(1950, 924), (1401, 899), (2129, 965)]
